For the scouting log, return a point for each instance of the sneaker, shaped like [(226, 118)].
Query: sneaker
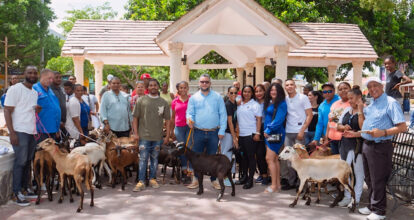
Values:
[(374, 216), (227, 182), (194, 184), (266, 181), (139, 187), (20, 200), (153, 183), (29, 194), (259, 179), (216, 185), (364, 211), (345, 202)]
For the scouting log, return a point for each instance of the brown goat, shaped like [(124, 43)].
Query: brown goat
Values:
[(75, 165), (43, 164)]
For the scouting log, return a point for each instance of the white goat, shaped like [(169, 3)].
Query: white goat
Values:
[(320, 170)]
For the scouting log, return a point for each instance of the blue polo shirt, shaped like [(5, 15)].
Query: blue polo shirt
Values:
[(50, 113)]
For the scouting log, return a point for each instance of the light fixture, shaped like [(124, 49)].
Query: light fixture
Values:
[(250, 75), (273, 62), (184, 60)]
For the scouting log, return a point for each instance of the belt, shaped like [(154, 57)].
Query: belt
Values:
[(206, 129), (368, 142)]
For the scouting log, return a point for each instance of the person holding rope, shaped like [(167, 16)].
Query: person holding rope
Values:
[(20, 116), (48, 121), (206, 114), (77, 114)]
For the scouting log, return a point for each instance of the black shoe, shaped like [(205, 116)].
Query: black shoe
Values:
[(241, 181), (288, 187), (266, 181), (20, 200), (248, 185)]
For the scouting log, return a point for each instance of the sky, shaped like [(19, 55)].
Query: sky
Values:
[(60, 6)]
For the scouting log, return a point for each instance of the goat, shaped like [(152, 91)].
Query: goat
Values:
[(320, 170), (4, 132), (43, 164), (168, 156), (76, 165), (212, 165)]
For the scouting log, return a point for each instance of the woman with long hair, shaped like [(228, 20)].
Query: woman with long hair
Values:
[(315, 98), (249, 120), (275, 110)]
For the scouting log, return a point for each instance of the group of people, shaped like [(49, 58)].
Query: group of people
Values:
[(254, 122)]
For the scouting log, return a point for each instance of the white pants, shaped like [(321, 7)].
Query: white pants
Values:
[(226, 145), (359, 175)]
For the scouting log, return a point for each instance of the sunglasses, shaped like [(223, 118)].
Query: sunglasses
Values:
[(204, 82), (327, 91), (233, 93)]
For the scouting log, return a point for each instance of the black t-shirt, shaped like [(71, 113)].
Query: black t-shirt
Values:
[(231, 111), (393, 79), (312, 125)]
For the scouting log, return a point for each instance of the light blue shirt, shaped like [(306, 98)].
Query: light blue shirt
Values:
[(208, 111), (116, 109), (383, 113), (323, 117)]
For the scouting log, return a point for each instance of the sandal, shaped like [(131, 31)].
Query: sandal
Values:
[(270, 190)]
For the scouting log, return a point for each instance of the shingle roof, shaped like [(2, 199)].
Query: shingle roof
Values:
[(114, 37), (332, 40)]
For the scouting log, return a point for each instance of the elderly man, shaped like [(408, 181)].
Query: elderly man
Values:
[(19, 114), (207, 116), (115, 111), (277, 80), (383, 119), (49, 117)]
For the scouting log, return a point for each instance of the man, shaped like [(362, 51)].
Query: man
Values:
[(14, 80), (266, 84), (149, 114), (207, 116), (72, 79), (297, 121), (236, 84), (60, 94), (308, 88), (383, 119), (19, 114), (68, 88), (328, 93), (107, 87), (395, 79), (49, 117), (115, 111), (278, 81)]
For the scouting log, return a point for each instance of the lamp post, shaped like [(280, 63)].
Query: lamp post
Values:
[(6, 47)]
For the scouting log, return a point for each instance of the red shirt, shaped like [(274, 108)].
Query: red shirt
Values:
[(180, 109)]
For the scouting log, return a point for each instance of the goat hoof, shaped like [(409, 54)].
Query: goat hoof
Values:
[(199, 192), (292, 205), (60, 201), (307, 203), (37, 201), (79, 210), (332, 205), (352, 210), (71, 200), (123, 188), (317, 201), (92, 204), (99, 186), (233, 194), (113, 186)]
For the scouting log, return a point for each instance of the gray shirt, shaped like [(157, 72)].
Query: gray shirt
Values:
[(60, 94)]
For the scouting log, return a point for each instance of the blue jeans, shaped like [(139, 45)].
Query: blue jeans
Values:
[(24, 154), (309, 137), (148, 149), (181, 133), (334, 146), (206, 141)]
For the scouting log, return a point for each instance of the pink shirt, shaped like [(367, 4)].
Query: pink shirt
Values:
[(336, 111), (180, 109)]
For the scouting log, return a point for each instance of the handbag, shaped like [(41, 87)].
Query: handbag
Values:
[(274, 138)]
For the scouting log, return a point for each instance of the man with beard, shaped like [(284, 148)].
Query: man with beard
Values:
[(19, 113), (207, 116), (149, 114)]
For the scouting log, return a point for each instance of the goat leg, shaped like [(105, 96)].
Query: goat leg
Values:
[(48, 188), (79, 187), (164, 170), (37, 178), (88, 183), (124, 176), (220, 195), (200, 183), (70, 191), (233, 188), (302, 183), (62, 186), (340, 195), (319, 193)]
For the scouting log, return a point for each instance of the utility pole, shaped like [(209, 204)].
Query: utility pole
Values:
[(6, 62)]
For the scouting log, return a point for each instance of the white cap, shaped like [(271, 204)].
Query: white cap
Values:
[(373, 79), (109, 77)]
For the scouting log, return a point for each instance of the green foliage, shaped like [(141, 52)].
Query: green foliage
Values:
[(103, 12)]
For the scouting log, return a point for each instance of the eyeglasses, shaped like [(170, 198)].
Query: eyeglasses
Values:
[(204, 82), (327, 91), (233, 93)]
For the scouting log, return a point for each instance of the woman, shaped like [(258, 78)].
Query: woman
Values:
[(337, 108), (259, 92), (249, 120), (139, 92), (77, 114), (167, 96), (351, 147), (315, 98), (275, 110), (230, 137), (93, 104), (178, 122)]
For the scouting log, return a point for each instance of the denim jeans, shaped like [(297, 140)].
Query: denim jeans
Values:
[(181, 133), (24, 154), (309, 137), (148, 149), (206, 141)]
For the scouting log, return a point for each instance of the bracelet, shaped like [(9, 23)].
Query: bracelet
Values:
[(385, 133)]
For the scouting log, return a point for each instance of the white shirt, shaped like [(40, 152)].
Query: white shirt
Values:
[(246, 117), (73, 109), (296, 115), (24, 101)]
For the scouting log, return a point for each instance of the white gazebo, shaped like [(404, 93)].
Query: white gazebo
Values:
[(241, 31)]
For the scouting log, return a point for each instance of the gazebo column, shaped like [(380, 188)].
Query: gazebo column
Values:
[(281, 61), (358, 65), (260, 64), (332, 73), (239, 73), (185, 73), (249, 71), (78, 66), (98, 66), (175, 51)]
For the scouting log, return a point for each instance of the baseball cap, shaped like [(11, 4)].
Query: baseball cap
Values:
[(109, 77), (328, 84), (145, 76), (373, 79)]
